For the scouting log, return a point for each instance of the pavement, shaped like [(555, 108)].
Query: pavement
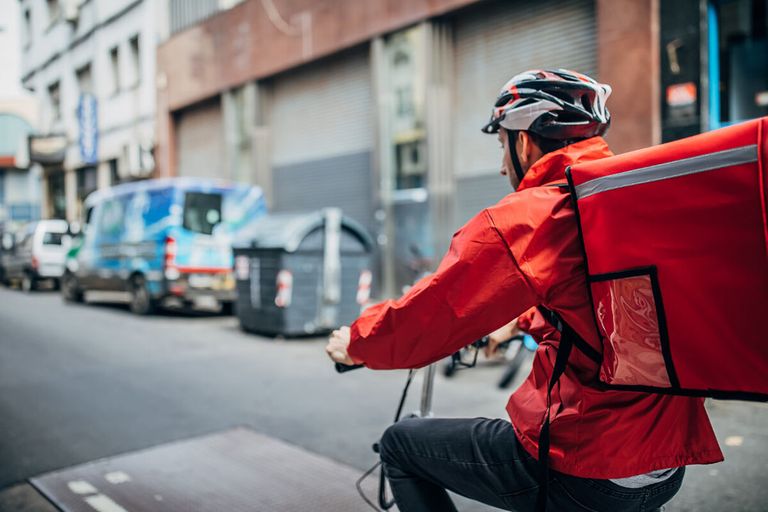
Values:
[(83, 382)]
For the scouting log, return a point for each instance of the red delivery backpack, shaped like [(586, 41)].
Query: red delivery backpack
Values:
[(676, 244), (675, 240)]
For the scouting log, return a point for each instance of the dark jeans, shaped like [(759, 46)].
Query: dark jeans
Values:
[(483, 460)]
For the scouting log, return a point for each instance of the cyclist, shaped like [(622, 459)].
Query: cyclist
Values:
[(609, 450)]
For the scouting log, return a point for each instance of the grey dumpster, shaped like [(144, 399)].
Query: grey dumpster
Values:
[(302, 273)]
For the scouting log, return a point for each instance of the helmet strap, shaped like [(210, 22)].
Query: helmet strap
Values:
[(512, 135)]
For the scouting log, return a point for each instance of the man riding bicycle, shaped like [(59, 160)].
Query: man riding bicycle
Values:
[(609, 450)]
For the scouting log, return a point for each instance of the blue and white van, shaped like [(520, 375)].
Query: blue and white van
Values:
[(162, 241)]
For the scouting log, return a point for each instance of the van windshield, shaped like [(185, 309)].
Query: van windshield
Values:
[(202, 211), (52, 238)]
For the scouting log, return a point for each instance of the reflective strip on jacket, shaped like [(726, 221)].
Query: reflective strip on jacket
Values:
[(523, 252)]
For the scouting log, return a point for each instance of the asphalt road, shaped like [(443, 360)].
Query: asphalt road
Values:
[(83, 382)]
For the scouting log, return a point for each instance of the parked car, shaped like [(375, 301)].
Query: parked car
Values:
[(165, 242), (6, 245), (36, 253)]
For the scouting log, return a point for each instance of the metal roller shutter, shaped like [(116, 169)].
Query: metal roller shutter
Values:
[(200, 141), (323, 129), (493, 42)]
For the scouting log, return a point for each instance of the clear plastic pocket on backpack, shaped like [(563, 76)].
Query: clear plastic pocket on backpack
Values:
[(631, 322)]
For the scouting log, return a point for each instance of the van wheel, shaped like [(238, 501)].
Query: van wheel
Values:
[(70, 290), (141, 300), (28, 283)]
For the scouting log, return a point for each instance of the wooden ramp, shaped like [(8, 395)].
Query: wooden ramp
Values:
[(236, 470)]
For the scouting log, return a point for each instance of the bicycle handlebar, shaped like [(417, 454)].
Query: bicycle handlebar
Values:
[(342, 368), (482, 342)]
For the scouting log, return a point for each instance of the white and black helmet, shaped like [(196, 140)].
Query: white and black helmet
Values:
[(553, 103)]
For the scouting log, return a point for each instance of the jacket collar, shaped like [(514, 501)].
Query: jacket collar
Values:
[(551, 167)]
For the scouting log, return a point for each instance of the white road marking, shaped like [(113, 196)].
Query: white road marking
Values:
[(734, 441), (102, 503), (117, 477), (81, 487)]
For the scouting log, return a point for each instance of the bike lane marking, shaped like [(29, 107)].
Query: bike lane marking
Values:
[(103, 503)]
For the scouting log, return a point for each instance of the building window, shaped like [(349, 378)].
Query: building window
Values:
[(135, 60), (114, 173), (27, 35), (410, 159), (54, 99), (114, 63), (738, 34), (85, 79), (54, 11), (57, 198), (408, 133), (405, 102), (86, 182)]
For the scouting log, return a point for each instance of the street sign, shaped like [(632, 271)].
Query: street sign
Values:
[(87, 117)]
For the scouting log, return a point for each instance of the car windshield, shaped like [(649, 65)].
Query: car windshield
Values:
[(202, 211), (50, 238)]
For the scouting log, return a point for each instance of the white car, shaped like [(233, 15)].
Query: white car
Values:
[(38, 253)]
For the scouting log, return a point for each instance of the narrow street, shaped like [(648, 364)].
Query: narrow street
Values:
[(84, 382)]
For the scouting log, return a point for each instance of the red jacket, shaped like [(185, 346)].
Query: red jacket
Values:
[(513, 256)]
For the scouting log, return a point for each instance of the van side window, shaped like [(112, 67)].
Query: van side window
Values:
[(52, 238), (110, 225), (202, 211), (159, 205)]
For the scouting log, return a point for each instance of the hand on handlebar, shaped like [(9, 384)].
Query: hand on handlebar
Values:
[(499, 336), (338, 344)]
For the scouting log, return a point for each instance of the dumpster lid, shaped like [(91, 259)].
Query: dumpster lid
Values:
[(287, 230)]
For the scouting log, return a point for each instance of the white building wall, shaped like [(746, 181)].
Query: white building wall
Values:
[(21, 187), (56, 51), (10, 57)]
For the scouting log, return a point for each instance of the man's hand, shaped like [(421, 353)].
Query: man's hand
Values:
[(499, 336), (338, 343)]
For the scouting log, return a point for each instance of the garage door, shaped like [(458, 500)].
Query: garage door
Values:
[(323, 129), (493, 43), (200, 141)]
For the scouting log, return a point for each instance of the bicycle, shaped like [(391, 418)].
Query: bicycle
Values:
[(515, 351), (425, 411)]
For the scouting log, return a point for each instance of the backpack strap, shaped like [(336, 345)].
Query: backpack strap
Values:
[(568, 339), (557, 322)]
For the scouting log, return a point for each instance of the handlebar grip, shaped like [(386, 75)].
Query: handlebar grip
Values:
[(342, 368)]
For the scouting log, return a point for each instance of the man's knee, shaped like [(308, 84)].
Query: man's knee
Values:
[(396, 438)]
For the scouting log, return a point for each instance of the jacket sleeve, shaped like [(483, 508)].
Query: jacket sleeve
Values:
[(477, 288)]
